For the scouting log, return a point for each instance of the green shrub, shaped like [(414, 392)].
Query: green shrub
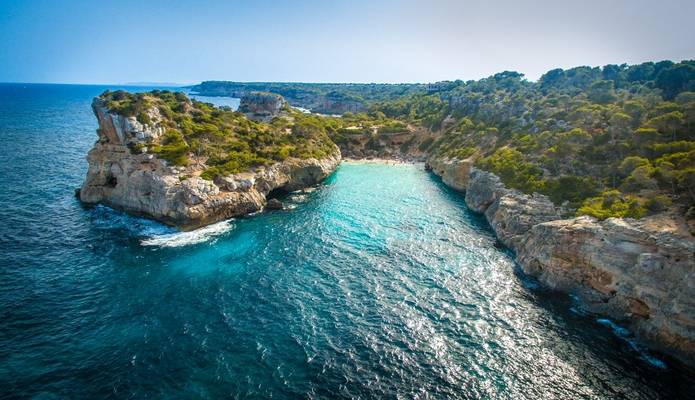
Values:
[(612, 203), (513, 170), (462, 152), (174, 148), (573, 189), (657, 203), (630, 163), (395, 127)]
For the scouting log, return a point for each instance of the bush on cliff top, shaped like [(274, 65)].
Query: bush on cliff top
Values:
[(223, 141), (612, 203)]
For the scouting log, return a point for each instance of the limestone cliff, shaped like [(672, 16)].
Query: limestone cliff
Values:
[(453, 172), (639, 272), (124, 175)]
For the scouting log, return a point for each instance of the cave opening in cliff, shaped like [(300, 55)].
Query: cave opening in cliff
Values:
[(111, 181), (277, 193)]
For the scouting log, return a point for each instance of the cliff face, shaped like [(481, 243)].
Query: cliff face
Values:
[(636, 271), (639, 272), (121, 175), (406, 145), (453, 172)]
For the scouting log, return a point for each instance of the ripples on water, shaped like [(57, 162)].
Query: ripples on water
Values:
[(378, 285)]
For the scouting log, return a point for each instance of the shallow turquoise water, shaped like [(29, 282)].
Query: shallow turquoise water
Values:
[(379, 284)]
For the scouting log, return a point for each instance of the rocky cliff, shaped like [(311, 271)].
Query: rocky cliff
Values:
[(454, 173), (124, 175), (639, 272), (406, 145)]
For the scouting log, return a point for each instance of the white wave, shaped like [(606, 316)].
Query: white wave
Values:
[(109, 218), (299, 198), (624, 334), (179, 239)]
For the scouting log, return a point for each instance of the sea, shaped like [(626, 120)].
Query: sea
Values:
[(378, 284)]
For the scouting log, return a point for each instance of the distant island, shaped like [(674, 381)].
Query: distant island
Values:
[(588, 174)]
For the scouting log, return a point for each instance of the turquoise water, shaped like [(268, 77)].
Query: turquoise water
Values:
[(379, 284)]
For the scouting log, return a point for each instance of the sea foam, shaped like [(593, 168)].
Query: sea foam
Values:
[(178, 239), (625, 335)]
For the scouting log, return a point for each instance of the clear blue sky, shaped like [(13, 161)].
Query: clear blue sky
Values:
[(326, 41)]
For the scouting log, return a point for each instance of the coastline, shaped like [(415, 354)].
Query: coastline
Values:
[(386, 161), (625, 269)]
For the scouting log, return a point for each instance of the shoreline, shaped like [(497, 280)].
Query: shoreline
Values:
[(577, 256), (387, 161)]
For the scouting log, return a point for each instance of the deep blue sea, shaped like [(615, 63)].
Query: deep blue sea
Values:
[(379, 284)]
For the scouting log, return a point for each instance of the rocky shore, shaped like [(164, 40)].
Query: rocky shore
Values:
[(640, 273), (123, 175)]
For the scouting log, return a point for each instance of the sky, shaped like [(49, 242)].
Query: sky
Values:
[(125, 41)]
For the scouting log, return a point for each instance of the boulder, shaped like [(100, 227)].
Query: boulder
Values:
[(274, 204)]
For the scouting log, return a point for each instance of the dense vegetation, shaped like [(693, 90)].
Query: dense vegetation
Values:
[(221, 140), (227, 142), (611, 141)]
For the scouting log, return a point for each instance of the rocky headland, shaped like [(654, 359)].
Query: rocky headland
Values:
[(640, 272), (125, 173)]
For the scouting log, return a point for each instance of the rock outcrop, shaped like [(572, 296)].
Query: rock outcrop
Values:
[(514, 214), (124, 176), (261, 105), (274, 204), (639, 272), (454, 172)]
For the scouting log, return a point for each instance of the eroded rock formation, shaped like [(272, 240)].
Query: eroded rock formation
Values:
[(124, 176)]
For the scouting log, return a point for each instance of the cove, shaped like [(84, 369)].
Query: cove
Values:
[(379, 284)]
